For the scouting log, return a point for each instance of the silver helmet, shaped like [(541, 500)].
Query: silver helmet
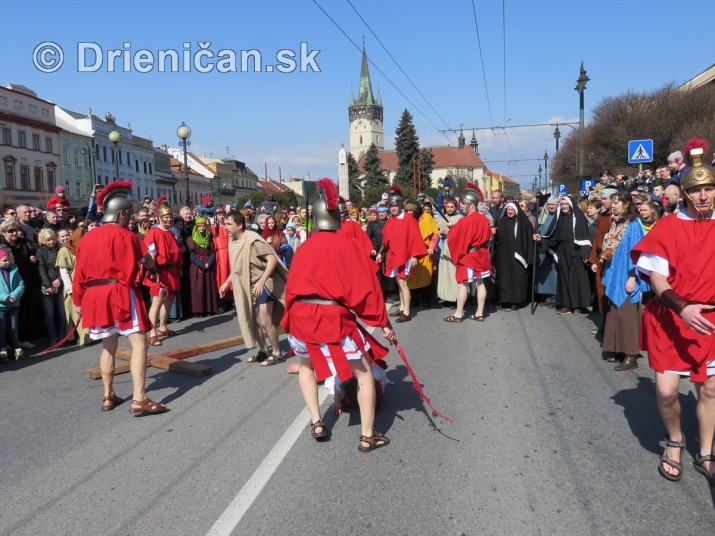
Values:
[(113, 199), (471, 197), (395, 200), (326, 213)]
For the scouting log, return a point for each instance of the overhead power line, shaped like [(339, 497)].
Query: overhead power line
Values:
[(396, 63), (380, 70)]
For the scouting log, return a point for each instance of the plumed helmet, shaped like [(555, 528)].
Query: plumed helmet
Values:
[(396, 197), (163, 209), (698, 174), (342, 206), (472, 195), (113, 199), (326, 213)]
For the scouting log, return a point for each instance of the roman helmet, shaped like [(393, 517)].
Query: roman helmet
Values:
[(697, 174), (395, 199), (113, 199), (472, 195), (162, 207), (326, 213)]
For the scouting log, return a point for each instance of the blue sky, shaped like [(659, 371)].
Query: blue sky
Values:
[(531, 51)]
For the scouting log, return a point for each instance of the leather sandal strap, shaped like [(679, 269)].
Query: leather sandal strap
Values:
[(674, 444)]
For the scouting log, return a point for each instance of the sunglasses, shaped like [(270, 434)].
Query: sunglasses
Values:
[(10, 231)]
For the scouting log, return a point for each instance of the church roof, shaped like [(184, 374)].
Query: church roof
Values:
[(365, 95)]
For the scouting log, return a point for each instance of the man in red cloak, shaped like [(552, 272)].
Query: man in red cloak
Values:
[(330, 286), (469, 246), (678, 329), (105, 294), (162, 245), (353, 229), (223, 268), (402, 240)]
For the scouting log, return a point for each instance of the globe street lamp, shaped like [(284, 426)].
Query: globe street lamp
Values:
[(115, 137), (184, 133)]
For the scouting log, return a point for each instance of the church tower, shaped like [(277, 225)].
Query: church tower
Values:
[(365, 115)]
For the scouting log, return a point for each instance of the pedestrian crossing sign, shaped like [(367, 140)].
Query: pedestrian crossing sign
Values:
[(640, 151)]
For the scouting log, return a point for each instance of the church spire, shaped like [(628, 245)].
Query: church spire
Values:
[(365, 91)]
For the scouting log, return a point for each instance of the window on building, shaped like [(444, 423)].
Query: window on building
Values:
[(35, 142), (145, 168), (136, 165), (129, 162), (76, 157), (96, 152), (6, 136), (45, 112), (38, 179), (24, 178), (112, 157), (48, 144), (32, 108), (51, 179), (3, 100), (104, 153), (18, 105), (78, 189), (150, 173), (9, 176), (21, 139), (66, 156)]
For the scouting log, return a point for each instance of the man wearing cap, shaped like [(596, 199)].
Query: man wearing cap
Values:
[(469, 246), (445, 193), (603, 225), (164, 248), (105, 294), (678, 329), (402, 241), (676, 164)]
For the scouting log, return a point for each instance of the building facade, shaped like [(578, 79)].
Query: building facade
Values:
[(29, 147)]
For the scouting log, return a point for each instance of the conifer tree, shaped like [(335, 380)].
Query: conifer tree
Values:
[(407, 146), (374, 176)]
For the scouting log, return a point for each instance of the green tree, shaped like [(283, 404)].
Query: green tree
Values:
[(374, 176), (426, 159), (667, 116), (355, 182), (407, 146)]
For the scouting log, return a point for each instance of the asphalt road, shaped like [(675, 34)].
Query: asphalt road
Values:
[(547, 439)]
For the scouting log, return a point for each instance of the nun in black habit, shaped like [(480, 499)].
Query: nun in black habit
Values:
[(514, 252), (567, 240)]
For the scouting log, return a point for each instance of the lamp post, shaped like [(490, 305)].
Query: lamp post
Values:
[(184, 133), (581, 87), (546, 167), (115, 137), (539, 170), (557, 135), (91, 153)]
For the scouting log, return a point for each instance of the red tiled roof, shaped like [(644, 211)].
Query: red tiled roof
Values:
[(504, 178), (444, 157)]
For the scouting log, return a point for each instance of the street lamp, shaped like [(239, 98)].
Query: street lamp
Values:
[(91, 153), (539, 170), (546, 167), (115, 137), (557, 135), (184, 133), (581, 87)]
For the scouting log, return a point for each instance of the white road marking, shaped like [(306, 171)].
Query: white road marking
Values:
[(231, 517)]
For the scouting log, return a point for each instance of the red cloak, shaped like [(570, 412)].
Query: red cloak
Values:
[(330, 267), (109, 252), (353, 230), (689, 248), (403, 239), (471, 233), (169, 261)]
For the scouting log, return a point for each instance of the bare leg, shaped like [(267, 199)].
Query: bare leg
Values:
[(481, 297), (462, 294), (154, 313), (404, 296), (667, 395), (265, 317), (706, 418), (309, 388), (106, 363), (138, 365), (164, 311), (366, 394)]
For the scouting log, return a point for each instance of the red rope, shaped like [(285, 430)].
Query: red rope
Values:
[(416, 384), (55, 346)]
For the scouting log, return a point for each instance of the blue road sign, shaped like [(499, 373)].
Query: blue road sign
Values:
[(586, 184), (640, 151), (562, 189)]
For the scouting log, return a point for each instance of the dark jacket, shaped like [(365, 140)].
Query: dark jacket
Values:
[(46, 260)]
